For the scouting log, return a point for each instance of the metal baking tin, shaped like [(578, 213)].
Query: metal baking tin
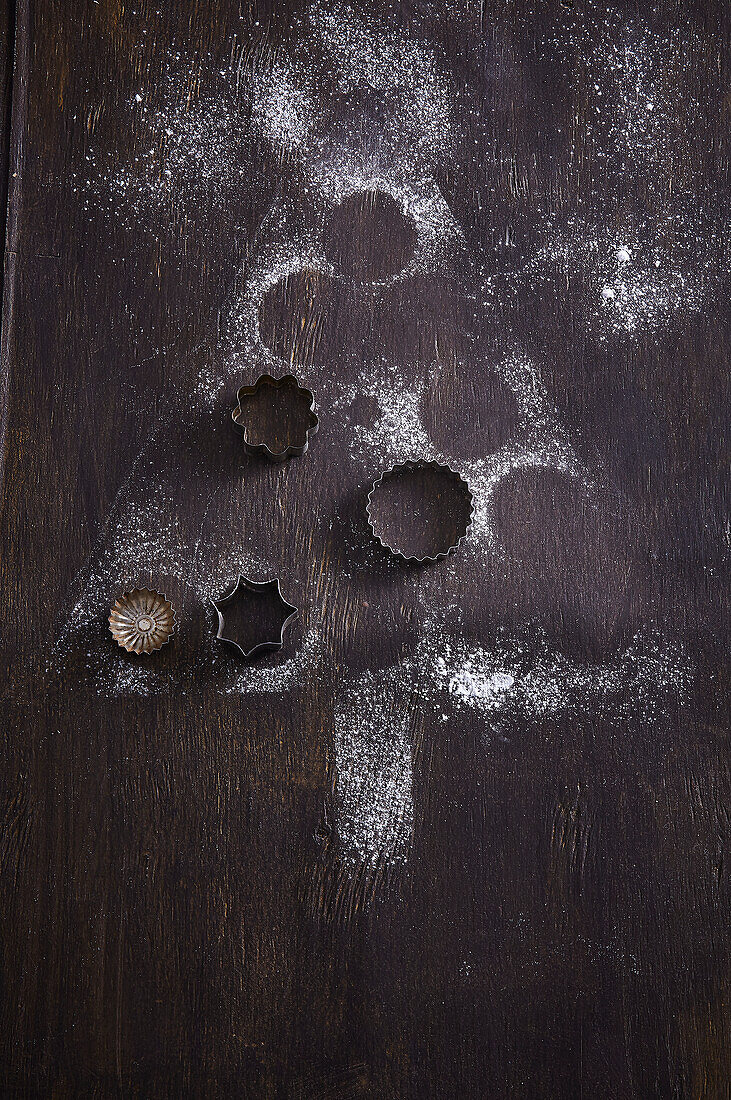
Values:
[(421, 464), (142, 621), (254, 586), (287, 382)]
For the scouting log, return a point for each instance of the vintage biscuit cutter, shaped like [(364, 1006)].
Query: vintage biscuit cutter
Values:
[(421, 464), (288, 388), (264, 588)]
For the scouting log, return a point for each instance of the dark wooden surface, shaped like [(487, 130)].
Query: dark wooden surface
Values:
[(193, 900)]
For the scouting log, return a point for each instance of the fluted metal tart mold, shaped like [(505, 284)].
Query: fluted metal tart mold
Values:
[(142, 621)]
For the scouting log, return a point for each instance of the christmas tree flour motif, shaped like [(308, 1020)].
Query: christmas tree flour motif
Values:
[(374, 341)]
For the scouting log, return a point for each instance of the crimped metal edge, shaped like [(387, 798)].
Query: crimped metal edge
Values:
[(263, 449), (420, 464), (154, 649), (253, 586)]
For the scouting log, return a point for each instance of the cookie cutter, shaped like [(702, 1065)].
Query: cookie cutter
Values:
[(270, 588), (421, 464), (142, 621), (290, 387)]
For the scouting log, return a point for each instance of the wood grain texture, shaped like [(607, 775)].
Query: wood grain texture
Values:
[(184, 911)]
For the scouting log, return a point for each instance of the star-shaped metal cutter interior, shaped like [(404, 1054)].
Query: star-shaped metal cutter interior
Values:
[(256, 616)]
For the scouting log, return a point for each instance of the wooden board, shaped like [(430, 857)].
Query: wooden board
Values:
[(465, 835)]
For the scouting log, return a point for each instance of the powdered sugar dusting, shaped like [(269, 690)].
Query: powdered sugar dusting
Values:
[(115, 680), (672, 266), (399, 433), (386, 123), (291, 673), (285, 250), (643, 117), (439, 237), (371, 68), (284, 105), (526, 679), (373, 744), (638, 91), (190, 145), (517, 683), (146, 537)]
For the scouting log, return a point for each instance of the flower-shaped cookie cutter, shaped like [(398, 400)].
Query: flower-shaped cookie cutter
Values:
[(142, 621), (447, 537), (269, 614), (276, 416)]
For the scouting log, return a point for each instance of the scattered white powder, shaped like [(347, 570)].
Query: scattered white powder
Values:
[(473, 684), (284, 104), (399, 433), (373, 744), (115, 679), (146, 539), (439, 237), (263, 678), (197, 141), (413, 126), (484, 477), (140, 537), (389, 120), (241, 354), (672, 267), (646, 95), (196, 136), (376, 74), (286, 247), (520, 682), (523, 679), (655, 286), (638, 93), (191, 146)]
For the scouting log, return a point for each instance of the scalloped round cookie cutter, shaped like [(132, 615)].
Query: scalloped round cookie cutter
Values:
[(421, 464), (286, 384)]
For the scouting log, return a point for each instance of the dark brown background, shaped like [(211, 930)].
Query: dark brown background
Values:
[(174, 922)]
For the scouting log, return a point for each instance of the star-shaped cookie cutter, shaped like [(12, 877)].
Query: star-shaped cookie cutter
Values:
[(268, 592)]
